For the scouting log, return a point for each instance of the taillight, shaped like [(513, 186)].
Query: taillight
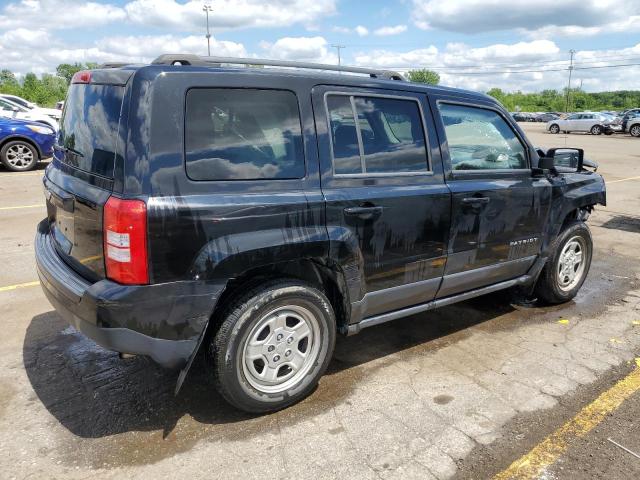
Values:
[(81, 77), (125, 241)]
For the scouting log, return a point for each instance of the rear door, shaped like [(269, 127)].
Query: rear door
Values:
[(80, 178), (499, 210), (388, 210)]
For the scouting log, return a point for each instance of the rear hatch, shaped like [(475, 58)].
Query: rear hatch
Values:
[(81, 177)]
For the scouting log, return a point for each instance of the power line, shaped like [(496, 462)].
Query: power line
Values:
[(489, 72)]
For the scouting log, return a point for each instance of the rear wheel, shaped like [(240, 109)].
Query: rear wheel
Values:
[(554, 128), (19, 156), (635, 131), (596, 130), (274, 344), (567, 268)]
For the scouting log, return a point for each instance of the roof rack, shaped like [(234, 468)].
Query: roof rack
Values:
[(197, 60)]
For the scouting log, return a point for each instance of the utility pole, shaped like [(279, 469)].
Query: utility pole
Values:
[(338, 48), (572, 53), (207, 9)]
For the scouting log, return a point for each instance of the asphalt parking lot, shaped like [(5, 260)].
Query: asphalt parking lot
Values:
[(481, 389)]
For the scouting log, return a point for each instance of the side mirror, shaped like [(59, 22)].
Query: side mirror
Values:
[(565, 159)]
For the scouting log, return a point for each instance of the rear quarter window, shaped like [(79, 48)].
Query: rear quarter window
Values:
[(243, 134)]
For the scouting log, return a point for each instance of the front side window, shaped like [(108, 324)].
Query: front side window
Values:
[(243, 134), (391, 135), (480, 139)]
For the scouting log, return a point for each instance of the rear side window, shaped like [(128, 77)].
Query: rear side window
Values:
[(480, 139), (388, 136), (243, 134), (89, 127)]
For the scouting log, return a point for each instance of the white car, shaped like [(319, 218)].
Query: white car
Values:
[(13, 110), (595, 123), (52, 112)]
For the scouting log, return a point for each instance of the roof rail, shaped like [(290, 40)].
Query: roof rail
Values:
[(197, 60)]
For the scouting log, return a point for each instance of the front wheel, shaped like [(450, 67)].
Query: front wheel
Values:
[(274, 344), (596, 130), (554, 128), (567, 267), (19, 156)]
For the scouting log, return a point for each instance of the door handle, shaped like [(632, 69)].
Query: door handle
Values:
[(365, 213), (476, 200)]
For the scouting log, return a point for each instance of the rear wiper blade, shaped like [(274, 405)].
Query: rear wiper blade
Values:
[(69, 150)]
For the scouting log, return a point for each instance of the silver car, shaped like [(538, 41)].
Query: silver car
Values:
[(595, 123)]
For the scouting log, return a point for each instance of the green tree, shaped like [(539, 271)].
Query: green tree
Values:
[(68, 70), (424, 76)]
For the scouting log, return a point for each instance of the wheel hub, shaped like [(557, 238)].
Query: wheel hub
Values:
[(281, 348), (571, 263)]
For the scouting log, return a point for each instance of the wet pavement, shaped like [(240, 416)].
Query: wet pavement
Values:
[(462, 391)]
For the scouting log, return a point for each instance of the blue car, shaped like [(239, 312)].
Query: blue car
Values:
[(23, 143)]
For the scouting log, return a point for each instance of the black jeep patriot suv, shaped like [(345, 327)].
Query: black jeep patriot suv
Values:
[(256, 212)]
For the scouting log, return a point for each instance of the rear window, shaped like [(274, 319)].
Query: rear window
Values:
[(89, 127), (243, 134)]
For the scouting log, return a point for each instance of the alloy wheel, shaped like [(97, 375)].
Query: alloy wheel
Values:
[(19, 156), (281, 349), (571, 263)]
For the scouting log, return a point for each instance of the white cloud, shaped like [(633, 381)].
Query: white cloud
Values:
[(385, 31), (58, 14), (338, 29), (171, 14), (227, 13), (309, 49), (37, 51), (474, 16), (483, 68), (362, 31)]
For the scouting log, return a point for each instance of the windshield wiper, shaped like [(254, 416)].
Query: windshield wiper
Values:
[(69, 150)]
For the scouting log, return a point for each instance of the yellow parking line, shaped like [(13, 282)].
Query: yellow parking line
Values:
[(18, 285), (548, 451), (17, 207), (18, 174), (624, 180)]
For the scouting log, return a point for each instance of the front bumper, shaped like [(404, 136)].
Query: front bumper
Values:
[(163, 321)]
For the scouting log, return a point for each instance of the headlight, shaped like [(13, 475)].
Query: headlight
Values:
[(41, 129)]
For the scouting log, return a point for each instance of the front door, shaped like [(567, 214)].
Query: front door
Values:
[(388, 209), (499, 210)]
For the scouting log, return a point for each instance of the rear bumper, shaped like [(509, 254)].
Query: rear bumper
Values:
[(163, 321)]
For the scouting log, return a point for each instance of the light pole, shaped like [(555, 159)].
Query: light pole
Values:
[(572, 53), (207, 9), (338, 48)]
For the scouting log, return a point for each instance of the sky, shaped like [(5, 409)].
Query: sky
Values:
[(474, 44)]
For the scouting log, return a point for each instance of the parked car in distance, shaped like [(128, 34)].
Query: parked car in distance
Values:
[(24, 143), (593, 123), (13, 110), (258, 212), (547, 117), (631, 123), (52, 112), (523, 117)]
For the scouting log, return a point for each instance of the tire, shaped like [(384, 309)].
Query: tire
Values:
[(596, 130), (556, 286), (634, 131), (19, 156), (554, 128), (275, 315)]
